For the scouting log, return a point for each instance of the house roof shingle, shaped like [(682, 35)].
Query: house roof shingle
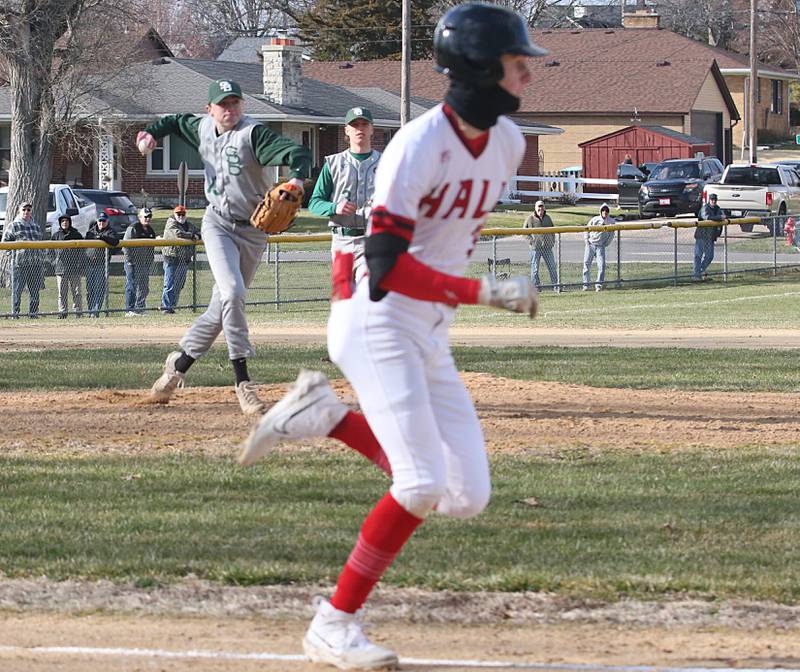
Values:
[(586, 70)]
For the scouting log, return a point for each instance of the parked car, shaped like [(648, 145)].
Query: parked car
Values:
[(757, 190), (61, 200), (629, 179), (116, 204), (675, 187)]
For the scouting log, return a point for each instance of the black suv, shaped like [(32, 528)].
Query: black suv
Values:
[(629, 179), (116, 204), (675, 187)]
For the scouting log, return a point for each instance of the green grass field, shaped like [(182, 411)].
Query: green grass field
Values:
[(608, 526)]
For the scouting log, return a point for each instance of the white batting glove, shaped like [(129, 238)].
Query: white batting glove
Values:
[(145, 143), (516, 294)]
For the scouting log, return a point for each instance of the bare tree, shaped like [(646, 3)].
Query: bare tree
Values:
[(711, 21), (55, 54)]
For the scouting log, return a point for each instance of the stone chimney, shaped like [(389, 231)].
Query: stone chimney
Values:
[(641, 18), (283, 71)]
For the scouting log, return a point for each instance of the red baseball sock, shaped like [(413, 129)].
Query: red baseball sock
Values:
[(387, 527), (355, 432)]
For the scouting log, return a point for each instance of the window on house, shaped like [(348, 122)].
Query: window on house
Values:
[(168, 154), (758, 89), (777, 97), (5, 148)]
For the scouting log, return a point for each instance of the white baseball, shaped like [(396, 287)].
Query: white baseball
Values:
[(144, 146)]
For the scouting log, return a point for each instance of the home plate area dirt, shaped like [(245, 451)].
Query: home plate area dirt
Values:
[(71, 626)]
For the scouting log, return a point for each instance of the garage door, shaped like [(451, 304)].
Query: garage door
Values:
[(708, 126)]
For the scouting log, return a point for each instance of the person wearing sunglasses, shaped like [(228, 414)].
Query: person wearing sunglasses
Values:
[(138, 262)]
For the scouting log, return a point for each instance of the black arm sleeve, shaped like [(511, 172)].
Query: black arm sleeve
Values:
[(381, 251)]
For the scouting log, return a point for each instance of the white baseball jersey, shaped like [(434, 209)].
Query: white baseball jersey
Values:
[(429, 176), (395, 351)]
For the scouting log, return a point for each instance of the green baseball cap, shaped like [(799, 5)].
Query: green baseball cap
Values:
[(222, 88), (358, 113)]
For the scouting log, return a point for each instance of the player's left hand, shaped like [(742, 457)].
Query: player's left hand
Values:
[(516, 294)]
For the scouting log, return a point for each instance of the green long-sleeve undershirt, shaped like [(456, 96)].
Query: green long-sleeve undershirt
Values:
[(270, 148)]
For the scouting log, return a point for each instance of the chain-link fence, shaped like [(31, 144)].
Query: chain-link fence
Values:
[(89, 278)]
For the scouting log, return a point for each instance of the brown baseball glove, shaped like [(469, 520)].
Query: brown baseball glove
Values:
[(277, 211)]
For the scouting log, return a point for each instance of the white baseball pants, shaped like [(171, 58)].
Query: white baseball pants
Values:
[(396, 355)]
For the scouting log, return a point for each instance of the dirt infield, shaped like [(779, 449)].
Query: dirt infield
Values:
[(517, 416)]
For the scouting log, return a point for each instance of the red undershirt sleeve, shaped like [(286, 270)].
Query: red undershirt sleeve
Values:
[(411, 277)]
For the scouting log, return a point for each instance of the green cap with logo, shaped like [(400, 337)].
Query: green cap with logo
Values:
[(358, 113), (222, 88)]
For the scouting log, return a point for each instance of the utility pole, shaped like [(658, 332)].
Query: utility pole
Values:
[(405, 71), (752, 117)]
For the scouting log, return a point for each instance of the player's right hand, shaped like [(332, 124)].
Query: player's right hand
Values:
[(516, 294), (145, 143)]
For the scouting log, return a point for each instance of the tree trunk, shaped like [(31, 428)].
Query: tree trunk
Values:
[(29, 51), (32, 121)]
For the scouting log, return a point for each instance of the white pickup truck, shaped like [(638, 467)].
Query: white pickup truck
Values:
[(757, 190), (61, 200)]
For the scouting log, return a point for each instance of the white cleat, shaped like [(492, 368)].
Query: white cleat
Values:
[(169, 381), (335, 637), (249, 400), (309, 409)]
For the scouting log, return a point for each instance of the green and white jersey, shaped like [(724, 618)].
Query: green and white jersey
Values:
[(235, 179)]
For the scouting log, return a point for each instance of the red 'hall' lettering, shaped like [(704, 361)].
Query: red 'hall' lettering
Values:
[(433, 202), (481, 210), (462, 199)]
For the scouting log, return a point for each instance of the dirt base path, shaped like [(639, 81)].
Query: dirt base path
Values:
[(85, 333), (82, 643)]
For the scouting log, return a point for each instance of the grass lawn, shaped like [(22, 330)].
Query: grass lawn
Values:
[(695, 369), (609, 526)]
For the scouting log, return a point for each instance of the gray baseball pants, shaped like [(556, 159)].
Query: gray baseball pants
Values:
[(234, 251)]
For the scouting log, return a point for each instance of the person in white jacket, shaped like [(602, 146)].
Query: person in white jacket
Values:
[(596, 242)]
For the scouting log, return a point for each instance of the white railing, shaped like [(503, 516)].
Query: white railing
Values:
[(558, 186)]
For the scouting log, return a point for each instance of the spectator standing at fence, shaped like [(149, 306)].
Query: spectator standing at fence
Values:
[(96, 277), (69, 265), (706, 236), (177, 257), (595, 247), (138, 262), (344, 188), (234, 148), (27, 271), (542, 245)]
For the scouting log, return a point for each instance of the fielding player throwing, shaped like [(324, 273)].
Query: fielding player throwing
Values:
[(234, 149), (437, 180)]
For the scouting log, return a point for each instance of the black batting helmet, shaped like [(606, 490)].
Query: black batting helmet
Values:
[(470, 39)]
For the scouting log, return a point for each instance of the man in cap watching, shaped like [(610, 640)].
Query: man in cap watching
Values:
[(706, 236), (26, 265), (96, 257), (177, 257), (542, 245), (234, 149), (344, 188)]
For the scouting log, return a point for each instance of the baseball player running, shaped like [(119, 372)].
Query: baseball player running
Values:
[(437, 180), (234, 149), (345, 187)]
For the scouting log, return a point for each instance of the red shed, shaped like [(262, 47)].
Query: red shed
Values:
[(645, 144)]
